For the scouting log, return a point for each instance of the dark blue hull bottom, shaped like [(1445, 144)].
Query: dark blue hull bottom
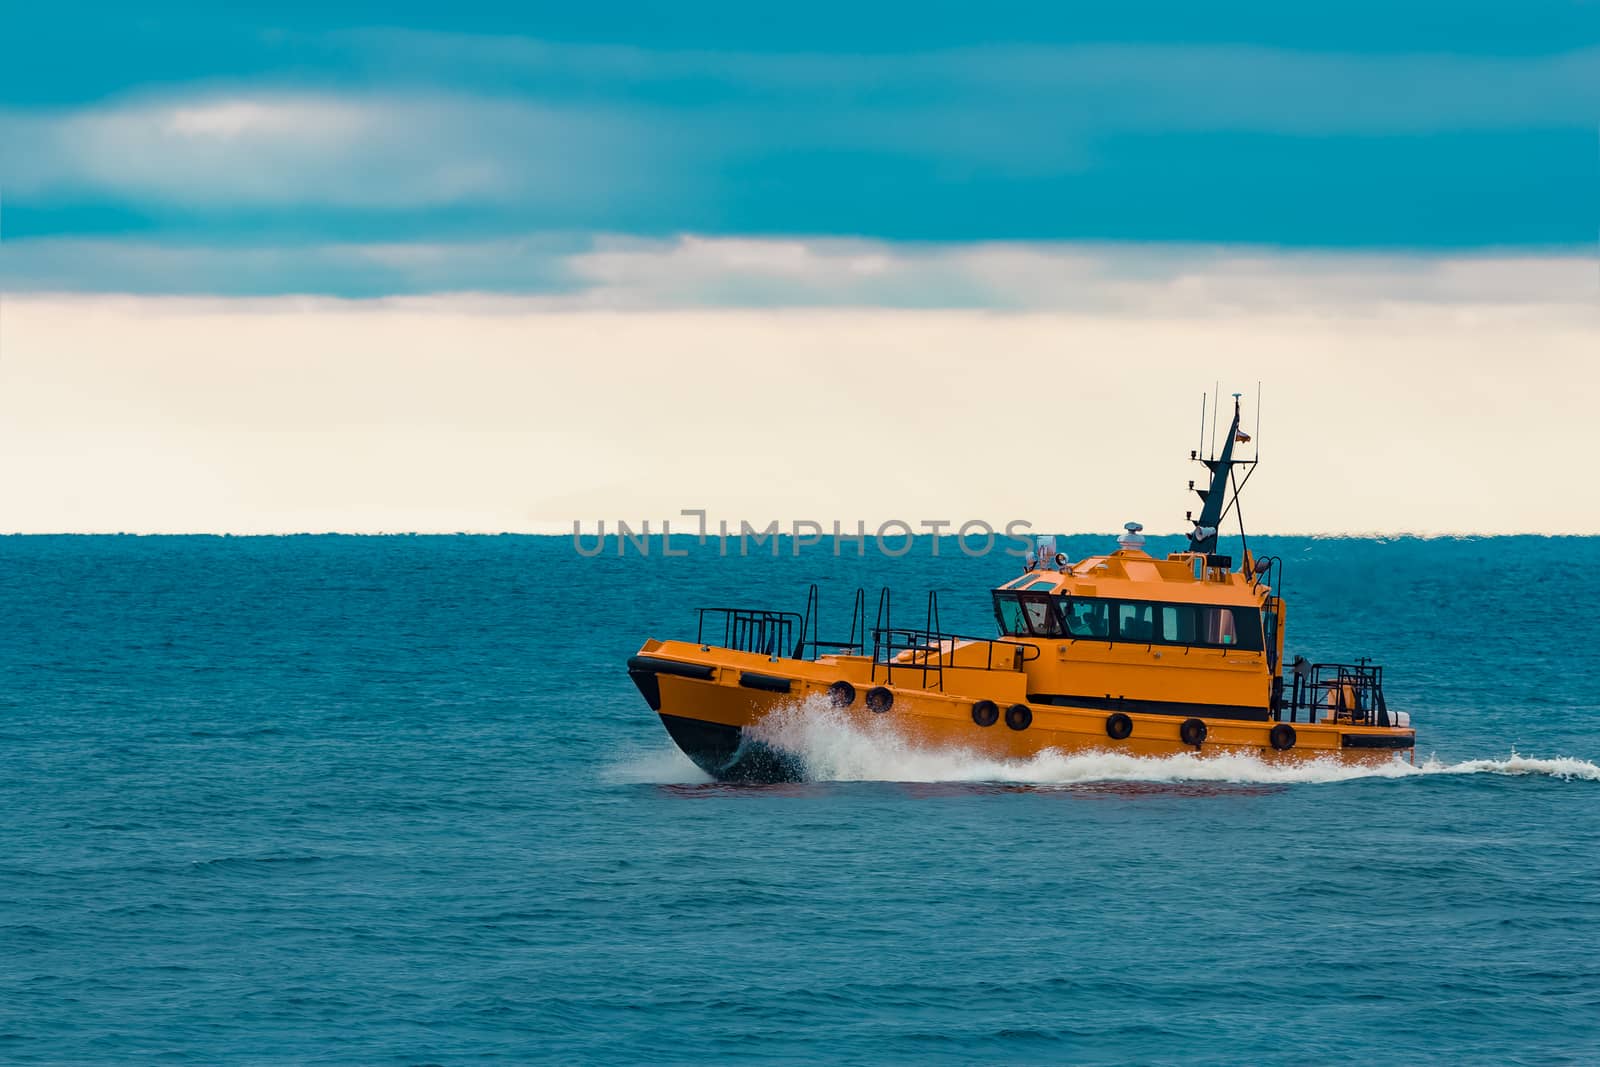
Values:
[(728, 756)]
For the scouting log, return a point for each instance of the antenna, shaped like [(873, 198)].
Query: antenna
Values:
[(1202, 448), (1258, 418), (1216, 402)]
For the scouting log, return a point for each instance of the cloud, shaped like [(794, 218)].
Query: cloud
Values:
[(362, 152), (451, 119), (1133, 279), (527, 264), (616, 272), (1093, 87)]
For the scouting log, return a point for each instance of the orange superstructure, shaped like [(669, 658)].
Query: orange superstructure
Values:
[(1123, 652)]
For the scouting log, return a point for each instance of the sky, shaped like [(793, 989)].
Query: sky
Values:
[(481, 267)]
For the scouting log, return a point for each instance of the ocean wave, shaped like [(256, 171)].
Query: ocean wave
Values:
[(836, 748)]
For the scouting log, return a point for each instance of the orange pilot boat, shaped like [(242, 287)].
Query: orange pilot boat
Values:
[(1122, 653)]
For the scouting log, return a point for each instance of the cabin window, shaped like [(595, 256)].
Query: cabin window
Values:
[(1008, 610), (1089, 619), (1144, 623), (1136, 622), (1231, 628), (1219, 628), (1042, 612), (1177, 624)]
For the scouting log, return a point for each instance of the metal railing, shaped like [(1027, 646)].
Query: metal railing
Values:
[(1340, 692), (927, 650), (858, 626), (771, 633), (779, 633)]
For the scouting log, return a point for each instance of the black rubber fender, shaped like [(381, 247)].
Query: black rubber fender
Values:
[(1019, 716), (985, 713), (1193, 732), (770, 682), (1118, 726), (1282, 737), (879, 699), (703, 671), (841, 694)]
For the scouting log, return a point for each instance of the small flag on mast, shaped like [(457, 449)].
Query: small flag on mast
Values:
[(1242, 437)]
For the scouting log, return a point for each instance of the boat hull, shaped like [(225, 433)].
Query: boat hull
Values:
[(728, 755), (716, 706)]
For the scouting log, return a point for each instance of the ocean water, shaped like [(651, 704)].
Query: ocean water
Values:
[(394, 801)]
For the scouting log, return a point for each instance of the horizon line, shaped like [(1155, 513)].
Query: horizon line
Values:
[(1363, 535)]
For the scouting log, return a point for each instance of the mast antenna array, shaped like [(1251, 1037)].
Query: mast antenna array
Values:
[(1215, 499)]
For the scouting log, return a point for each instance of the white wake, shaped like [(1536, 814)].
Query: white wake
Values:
[(835, 748)]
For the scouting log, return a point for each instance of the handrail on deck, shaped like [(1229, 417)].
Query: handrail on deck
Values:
[(932, 651), (1350, 692), (754, 630)]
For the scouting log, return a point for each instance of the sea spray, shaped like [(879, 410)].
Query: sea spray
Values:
[(835, 746), (664, 765)]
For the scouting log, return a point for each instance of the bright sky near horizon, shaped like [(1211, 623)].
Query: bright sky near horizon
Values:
[(395, 267)]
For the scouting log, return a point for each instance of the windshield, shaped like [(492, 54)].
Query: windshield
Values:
[(1028, 615)]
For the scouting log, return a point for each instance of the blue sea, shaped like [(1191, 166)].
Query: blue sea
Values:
[(393, 800)]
